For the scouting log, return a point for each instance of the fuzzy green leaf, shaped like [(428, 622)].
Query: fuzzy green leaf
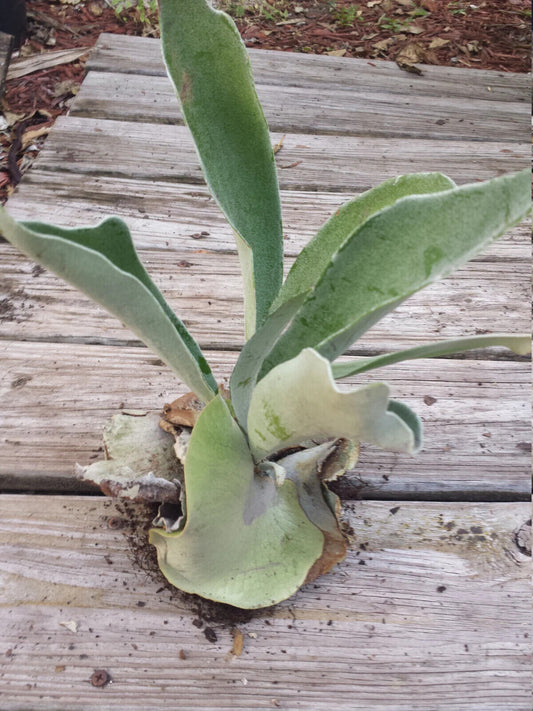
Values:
[(316, 255), (410, 419), (246, 541), (395, 253), (209, 66), (520, 344), (299, 401), (101, 261), (254, 352)]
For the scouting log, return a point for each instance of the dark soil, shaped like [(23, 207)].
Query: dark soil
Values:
[(135, 524)]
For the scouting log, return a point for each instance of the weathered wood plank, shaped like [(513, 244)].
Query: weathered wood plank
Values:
[(205, 289), (142, 56), (57, 397), (431, 607), (97, 147), (127, 97), (175, 216), (45, 60)]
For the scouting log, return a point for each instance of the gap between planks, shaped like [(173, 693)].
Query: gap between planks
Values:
[(206, 293), (57, 397), (100, 148), (131, 97), (432, 606), (182, 218)]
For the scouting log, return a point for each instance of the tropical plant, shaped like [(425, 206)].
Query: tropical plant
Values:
[(258, 519)]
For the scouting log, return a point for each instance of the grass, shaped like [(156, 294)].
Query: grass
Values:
[(345, 15), (145, 9)]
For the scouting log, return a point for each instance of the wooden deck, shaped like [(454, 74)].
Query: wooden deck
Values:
[(431, 610)]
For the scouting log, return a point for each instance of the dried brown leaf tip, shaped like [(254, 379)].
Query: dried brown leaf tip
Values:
[(184, 411)]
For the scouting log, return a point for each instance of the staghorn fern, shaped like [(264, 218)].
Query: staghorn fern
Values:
[(258, 519)]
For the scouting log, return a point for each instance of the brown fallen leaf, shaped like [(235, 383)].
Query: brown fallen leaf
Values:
[(10, 119), (409, 56), (33, 134), (68, 86), (438, 42), (184, 411), (95, 9), (409, 68), (383, 45)]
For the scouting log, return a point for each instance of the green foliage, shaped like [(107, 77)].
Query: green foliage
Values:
[(237, 10), (456, 8), (345, 15), (521, 345), (246, 541), (274, 11), (319, 252), (246, 372), (394, 253), (144, 8), (299, 401), (392, 24), (209, 67), (101, 261), (258, 520), (419, 12)]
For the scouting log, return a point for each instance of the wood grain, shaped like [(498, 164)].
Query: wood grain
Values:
[(101, 148), (46, 60), (57, 397), (204, 288), (178, 217), (93, 166), (293, 109), (431, 607), (142, 56)]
